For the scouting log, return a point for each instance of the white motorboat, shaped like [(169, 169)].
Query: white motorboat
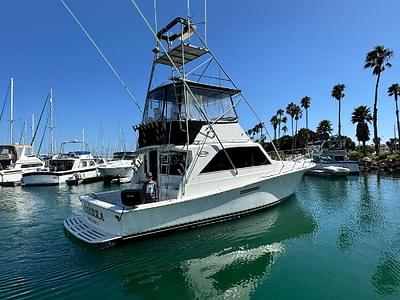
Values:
[(16, 160), (76, 166), (121, 168), (329, 171), (333, 153), (206, 167)]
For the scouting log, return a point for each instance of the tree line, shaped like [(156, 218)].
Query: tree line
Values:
[(377, 60)]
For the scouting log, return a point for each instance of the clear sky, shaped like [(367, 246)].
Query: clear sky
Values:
[(276, 51)]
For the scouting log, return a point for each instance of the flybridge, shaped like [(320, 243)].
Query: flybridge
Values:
[(193, 96)]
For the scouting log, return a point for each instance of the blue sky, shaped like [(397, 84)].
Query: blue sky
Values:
[(276, 51)]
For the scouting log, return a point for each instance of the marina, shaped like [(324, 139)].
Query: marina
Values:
[(188, 180), (343, 234)]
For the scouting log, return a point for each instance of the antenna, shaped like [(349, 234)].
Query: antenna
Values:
[(205, 22), (188, 9), (155, 15)]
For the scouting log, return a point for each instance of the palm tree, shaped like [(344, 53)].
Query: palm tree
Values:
[(298, 114), (274, 122), (291, 111), (305, 103), (362, 116), (377, 60), (285, 129), (337, 93), (324, 129), (280, 113), (394, 90)]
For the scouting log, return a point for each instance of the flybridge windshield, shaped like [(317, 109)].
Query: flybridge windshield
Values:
[(167, 103)]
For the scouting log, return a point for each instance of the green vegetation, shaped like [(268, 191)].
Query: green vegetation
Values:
[(378, 59), (362, 116), (338, 94), (394, 90), (305, 103)]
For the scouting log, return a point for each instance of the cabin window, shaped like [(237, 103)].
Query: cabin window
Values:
[(214, 104), (61, 165), (242, 157), (167, 103), (28, 151), (172, 162), (84, 164), (92, 163), (31, 166)]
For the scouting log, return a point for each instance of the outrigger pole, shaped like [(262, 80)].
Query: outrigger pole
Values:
[(198, 107)]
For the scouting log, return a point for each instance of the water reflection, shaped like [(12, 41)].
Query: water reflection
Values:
[(386, 277), (332, 193), (223, 261), (367, 217)]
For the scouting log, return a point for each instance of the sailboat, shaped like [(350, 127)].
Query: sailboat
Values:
[(206, 167), (16, 159)]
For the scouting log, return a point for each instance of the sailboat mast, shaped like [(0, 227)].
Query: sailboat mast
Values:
[(33, 132), (83, 138), (11, 109), (51, 123)]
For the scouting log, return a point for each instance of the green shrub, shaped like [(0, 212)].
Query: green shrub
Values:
[(355, 154)]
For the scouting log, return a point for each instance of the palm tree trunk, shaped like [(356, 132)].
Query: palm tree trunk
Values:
[(292, 128), (375, 116), (363, 142), (397, 116), (307, 118), (340, 126), (279, 129), (275, 134)]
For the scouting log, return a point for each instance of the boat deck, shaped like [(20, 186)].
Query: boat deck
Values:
[(77, 227)]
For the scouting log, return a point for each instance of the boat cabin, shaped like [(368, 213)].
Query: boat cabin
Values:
[(169, 106), (10, 154), (72, 160), (124, 155)]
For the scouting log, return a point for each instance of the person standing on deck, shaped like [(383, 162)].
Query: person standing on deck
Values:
[(150, 189)]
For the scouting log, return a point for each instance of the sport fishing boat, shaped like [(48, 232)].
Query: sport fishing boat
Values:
[(332, 153), (75, 165), (16, 160), (206, 167), (120, 168)]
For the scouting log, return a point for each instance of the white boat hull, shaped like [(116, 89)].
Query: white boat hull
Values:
[(13, 177), (10, 177), (352, 166), (103, 223), (55, 178), (329, 171), (116, 172)]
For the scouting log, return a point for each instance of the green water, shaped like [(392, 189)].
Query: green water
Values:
[(336, 239)]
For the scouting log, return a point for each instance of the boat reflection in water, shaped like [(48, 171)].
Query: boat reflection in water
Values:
[(227, 260)]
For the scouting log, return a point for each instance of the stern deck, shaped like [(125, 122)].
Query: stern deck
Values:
[(83, 231)]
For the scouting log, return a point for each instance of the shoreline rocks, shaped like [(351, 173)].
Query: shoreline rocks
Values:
[(390, 165)]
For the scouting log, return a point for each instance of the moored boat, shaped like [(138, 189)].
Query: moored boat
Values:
[(121, 168), (62, 167), (329, 171), (15, 160), (206, 168), (333, 153)]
